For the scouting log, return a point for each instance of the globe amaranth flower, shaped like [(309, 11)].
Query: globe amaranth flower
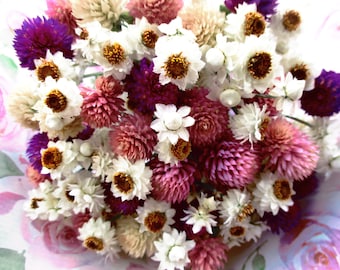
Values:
[(133, 137), (208, 254), (231, 163), (102, 106), (324, 99), (288, 151), (33, 151), (171, 183), (145, 90), (38, 35), (211, 118), (156, 11), (265, 7)]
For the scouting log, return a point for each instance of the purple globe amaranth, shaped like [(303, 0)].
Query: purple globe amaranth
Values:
[(324, 99), (36, 143), (38, 35), (265, 7)]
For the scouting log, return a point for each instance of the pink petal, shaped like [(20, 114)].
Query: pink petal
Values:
[(8, 200)]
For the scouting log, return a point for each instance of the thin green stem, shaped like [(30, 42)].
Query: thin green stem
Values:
[(299, 120), (96, 74)]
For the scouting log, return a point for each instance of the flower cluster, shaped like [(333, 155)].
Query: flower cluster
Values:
[(175, 130)]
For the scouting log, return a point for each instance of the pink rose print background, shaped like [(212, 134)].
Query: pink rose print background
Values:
[(313, 244)]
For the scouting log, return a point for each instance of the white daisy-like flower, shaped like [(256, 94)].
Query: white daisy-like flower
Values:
[(86, 193), (245, 22), (130, 180), (239, 232), (56, 66), (272, 193), (155, 216), (246, 124), (255, 65), (143, 37), (175, 27), (172, 250), (60, 102), (201, 217), (99, 236), (115, 55), (302, 64), (102, 163), (172, 123), (42, 204), (178, 60), (236, 205), (172, 153)]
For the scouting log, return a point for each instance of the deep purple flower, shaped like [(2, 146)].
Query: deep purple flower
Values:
[(36, 143), (38, 35), (145, 90), (265, 7), (324, 99)]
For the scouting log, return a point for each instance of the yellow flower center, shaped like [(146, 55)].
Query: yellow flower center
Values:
[(282, 189), (149, 38), (93, 243), (255, 24), (114, 54), (291, 20), (259, 65), (155, 221), (51, 158), (176, 66), (123, 182), (237, 231), (181, 150), (47, 68), (56, 101), (300, 71), (246, 211)]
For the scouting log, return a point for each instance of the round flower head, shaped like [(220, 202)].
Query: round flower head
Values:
[(102, 107), (145, 90), (172, 123), (171, 183), (133, 242), (265, 7), (38, 35), (156, 11), (324, 99), (35, 177), (130, 180), (272, 193), (155, 216), (99, 236), (172, 251), (208, 254), (33, 151), (288, 151), (231, 164), (178, 60), (133, 137)]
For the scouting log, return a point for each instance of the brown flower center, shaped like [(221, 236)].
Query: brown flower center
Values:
[(93, 243), (291, 20), (264, 126), (69, 196), (47, 68), (321, 258), (255, 24), (176, 67), (51, 158), (181, 150), (155, 221), (114, 54), (260, 65), (246, 211), (282, 189), (237, 231), (123, 182), (34, 202), (149, 38), (300, 71), (56, 101), (84, 34)]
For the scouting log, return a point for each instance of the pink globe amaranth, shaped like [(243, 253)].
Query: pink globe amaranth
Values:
[(288, 151), (171, 183), (231, 164), (35, 177), (208, 254), (155, 11), (133, 137), (211, 118), (102, 106)]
